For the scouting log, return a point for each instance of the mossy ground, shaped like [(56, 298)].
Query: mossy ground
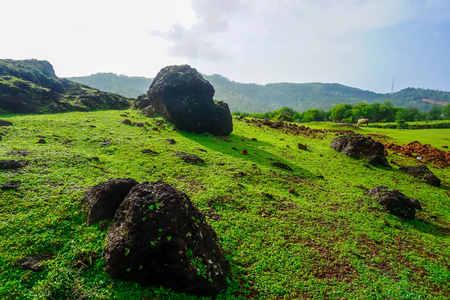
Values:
[(309, 233)]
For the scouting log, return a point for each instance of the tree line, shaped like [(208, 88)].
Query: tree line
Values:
[(347, 113)]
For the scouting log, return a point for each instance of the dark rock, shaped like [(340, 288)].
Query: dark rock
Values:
[(394, 202), (159, 238), (361, 147), (33, 263), (171, 141), (42, 141), (103, 199), (5, 123), (106, 143), (281, 166), (148, 111), (222, 122), (422, 171), (189, 158), (142, 102), (11, 185), (185, 98), (149, 151), (9, 164)]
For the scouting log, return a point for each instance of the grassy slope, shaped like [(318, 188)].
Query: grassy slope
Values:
[(326, 240)]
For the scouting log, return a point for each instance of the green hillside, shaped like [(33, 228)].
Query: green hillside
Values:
[(253, 98), (124, 85), (309, 233), (31, 86)]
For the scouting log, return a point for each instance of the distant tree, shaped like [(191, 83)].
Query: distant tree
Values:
[(409, 114), (435, 112), (340, 111), (446, 112), (313, 115)]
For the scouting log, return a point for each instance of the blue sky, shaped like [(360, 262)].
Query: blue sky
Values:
[(360, 43)]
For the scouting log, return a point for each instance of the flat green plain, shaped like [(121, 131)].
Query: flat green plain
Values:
[(309, 233)]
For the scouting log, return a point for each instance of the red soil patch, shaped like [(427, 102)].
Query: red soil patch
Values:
[(428, 154)]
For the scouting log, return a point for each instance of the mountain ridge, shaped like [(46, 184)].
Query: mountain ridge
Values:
[(251, 97), (31, 86)]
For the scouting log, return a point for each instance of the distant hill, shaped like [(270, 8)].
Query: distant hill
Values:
[(121, 84), (31, 86), (262, 98)]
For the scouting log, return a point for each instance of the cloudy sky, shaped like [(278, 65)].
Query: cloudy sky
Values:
[(360, 43)]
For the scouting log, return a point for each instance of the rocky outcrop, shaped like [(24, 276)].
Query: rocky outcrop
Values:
[(159, 238), (102, 200), (31, 86), (395, 202), (422, 172), (185, 98), (361, 147)]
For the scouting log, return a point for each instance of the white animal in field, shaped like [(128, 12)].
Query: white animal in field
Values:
[(363, 121)]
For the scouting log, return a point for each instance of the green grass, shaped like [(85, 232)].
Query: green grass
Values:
[(323, 239)]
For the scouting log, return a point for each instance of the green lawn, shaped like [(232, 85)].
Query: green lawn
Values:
[(309, 233)]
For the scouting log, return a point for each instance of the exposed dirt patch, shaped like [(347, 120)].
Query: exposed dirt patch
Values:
[(423, 153)]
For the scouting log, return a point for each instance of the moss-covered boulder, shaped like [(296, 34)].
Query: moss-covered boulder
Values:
[(185, 98)]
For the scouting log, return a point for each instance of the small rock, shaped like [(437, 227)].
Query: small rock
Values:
[(41, 141), (5, 123), (103, 199), (394, 202), (149, 151), (11, 185), (9, 164), (189, 158), (33, 263), (422, 171), (281, 166), (105, 143), (171, 141)]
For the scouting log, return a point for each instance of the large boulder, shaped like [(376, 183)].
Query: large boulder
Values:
[(361, 147), (102, 200), (185, 98), (395, 202), (160, 238), (422, 172)]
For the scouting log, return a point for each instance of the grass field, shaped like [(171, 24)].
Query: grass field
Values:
[(309, 233)]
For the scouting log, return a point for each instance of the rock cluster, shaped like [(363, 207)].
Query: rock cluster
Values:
[(361, 147), (185, 98), (158, 237), (395, 202)]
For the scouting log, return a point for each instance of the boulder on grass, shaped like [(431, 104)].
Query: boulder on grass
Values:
[(422, 171), (361, 147), (103, 199), (395, 202), (159, 238), (185, 98)]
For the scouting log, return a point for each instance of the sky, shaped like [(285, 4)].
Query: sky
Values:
[(366, 44)]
